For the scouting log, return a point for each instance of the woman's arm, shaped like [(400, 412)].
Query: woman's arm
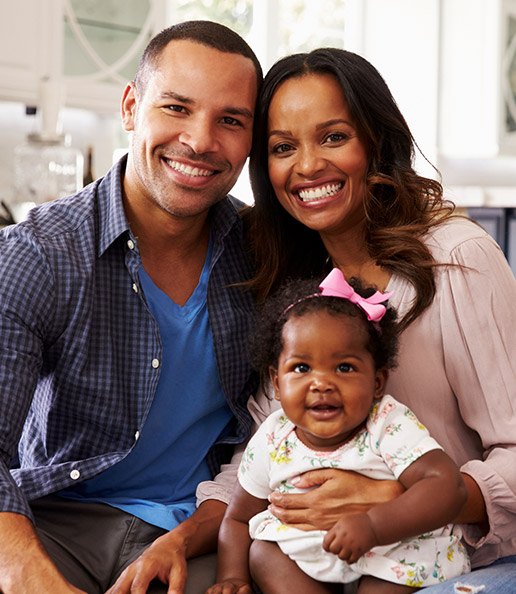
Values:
[(337, 493)]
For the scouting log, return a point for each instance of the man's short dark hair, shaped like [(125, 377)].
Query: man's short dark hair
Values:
[(206, 33)]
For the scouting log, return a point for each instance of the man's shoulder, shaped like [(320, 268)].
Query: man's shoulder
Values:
[(59, 218)]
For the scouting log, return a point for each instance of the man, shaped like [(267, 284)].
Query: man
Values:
[(123, 367)]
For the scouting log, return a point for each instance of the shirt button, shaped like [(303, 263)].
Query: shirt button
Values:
[(130, 244), (135, 287), (155, 363), (75, 474), (137, 436)]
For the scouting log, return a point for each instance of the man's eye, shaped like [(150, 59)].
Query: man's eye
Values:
[(344, 367), (301, 368), (178, 108), (231, 121)]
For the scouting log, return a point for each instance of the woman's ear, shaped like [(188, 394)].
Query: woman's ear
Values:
[(379, 382), (273, 374)]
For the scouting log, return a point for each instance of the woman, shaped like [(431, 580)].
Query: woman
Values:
[(334, 185)]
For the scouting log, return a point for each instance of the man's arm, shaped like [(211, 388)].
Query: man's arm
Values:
[(24, 564), (166, 557)]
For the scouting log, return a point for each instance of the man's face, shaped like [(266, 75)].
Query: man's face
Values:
[(191, 128)]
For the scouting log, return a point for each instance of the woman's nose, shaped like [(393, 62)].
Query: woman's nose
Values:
[(309, 162)]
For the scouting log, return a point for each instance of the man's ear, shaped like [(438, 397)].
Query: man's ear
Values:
[(128, 107), (379, 382), (273, 374)]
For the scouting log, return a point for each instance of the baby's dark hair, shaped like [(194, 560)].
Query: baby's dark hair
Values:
[(299, 297)]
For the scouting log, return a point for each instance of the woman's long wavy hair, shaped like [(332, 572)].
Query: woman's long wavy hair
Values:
[(400, 206)]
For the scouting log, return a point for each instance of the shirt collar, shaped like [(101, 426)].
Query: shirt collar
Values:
[(112, 219), (113, 222)]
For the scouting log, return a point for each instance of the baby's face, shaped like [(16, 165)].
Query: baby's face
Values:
[(326, 379)]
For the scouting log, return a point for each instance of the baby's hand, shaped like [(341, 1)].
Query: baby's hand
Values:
[(231, 586), (350, 537)]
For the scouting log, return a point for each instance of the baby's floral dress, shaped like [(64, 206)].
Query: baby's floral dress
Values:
[(391, 440)]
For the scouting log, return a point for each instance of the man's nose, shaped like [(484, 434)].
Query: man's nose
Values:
[(200, 135)]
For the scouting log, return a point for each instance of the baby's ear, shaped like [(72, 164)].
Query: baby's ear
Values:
[(379, 382), (273, 374)]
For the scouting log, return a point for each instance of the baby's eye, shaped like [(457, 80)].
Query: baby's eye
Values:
[(301, 368), (344, 367)]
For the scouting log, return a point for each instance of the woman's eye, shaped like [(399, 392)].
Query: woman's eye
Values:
[(281, 148), (336, 137), (301, 368), (344, 368)]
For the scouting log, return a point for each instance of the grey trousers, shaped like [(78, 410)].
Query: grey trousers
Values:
[(92, 543)]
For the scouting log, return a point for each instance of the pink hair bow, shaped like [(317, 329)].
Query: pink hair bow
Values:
[(335, 285)]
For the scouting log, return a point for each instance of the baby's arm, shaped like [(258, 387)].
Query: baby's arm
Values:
[(435, 494), (234, 543)]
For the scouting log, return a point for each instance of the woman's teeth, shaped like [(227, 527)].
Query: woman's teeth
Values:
[(321, 192)]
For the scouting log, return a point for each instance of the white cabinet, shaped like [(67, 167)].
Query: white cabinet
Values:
[(92, 45), (27, 50)]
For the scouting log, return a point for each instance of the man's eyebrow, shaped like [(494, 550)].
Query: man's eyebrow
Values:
[(239, 111), (176, 97), (236, 111)]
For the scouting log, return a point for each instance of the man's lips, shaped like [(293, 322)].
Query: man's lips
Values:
[(314, 193), (190, 170)]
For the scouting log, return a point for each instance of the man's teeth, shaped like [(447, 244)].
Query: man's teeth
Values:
[(320, 192), (188, 170)]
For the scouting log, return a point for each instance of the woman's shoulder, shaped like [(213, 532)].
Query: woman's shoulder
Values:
[(454, 233)]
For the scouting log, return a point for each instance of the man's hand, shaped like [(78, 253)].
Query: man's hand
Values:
[(232, 586), (164, 560), (166, 557), (351, 537), (24, 563), (333, 494)]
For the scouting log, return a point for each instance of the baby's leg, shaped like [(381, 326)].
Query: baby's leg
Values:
[(372, 585), (275, 573)]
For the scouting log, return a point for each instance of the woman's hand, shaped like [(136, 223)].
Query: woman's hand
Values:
[(333, 494)]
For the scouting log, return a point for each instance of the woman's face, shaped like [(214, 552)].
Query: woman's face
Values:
[(317, 163)]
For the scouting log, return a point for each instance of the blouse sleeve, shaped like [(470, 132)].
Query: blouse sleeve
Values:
[(478, 318)]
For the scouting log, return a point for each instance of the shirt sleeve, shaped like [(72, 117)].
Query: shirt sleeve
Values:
[(478, 318), (27, 307), (399, 436), (254, 469), (260, 407)]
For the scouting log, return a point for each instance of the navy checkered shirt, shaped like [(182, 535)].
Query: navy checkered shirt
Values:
[(79, 348)]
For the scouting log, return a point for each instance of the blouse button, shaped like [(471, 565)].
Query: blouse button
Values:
[(130, 244), (155, 363), (75, 474), (137, 436), (135, 287)]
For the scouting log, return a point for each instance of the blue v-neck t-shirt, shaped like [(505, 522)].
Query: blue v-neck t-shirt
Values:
[(156, 481)]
